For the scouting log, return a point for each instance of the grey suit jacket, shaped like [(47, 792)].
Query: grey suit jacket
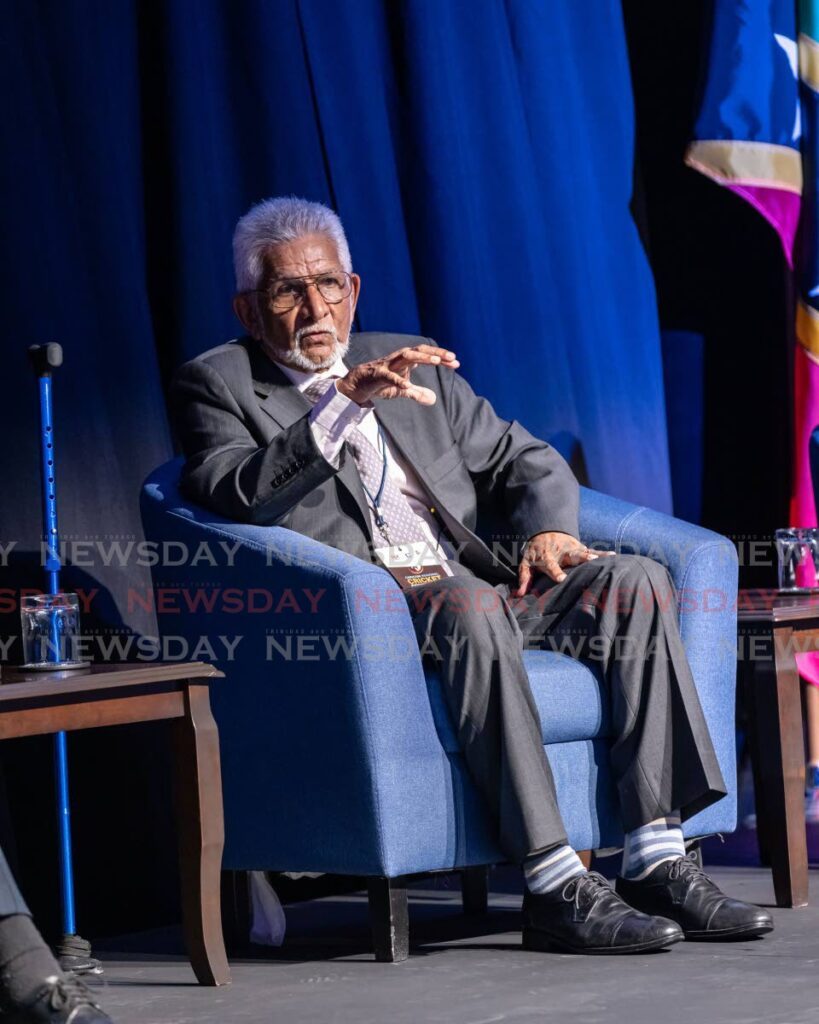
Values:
[(251, 456)]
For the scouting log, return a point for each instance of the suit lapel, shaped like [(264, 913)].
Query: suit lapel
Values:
[(282, 402)]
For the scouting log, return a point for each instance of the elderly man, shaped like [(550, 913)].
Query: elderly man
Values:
[(345, 438)]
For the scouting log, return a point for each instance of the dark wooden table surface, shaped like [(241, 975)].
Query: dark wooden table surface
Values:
[(790, 622), (771, 606), (33, 703)]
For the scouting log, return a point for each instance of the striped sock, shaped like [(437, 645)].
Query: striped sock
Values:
[(651, 844), (555, 867)]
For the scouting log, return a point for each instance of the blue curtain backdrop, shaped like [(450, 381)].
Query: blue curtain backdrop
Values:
[(479, 153)]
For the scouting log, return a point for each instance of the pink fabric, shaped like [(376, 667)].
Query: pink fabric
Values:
[(806, 572), (806, 417), (808, 665), (803, 507), (779, 207)]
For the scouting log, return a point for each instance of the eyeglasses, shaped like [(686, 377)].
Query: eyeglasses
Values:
[(288, 292)]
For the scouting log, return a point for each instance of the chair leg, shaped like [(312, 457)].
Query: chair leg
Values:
[(475, 889), (389, 918), (236, 909), (696, 849)]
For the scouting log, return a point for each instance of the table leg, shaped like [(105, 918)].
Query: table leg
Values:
[(750, 678), (779, 707), (201, 835)]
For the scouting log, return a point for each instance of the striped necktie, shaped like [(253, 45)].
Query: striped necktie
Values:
[(393, 517)]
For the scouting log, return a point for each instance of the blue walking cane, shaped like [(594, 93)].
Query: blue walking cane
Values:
[(73, 952)]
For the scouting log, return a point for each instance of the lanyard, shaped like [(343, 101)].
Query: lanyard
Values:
[(380, 521)]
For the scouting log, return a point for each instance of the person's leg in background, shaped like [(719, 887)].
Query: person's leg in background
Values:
[(808, 664), (33, 988), (812, 767)]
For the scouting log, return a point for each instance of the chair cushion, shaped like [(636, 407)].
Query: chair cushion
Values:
[(570, 699)]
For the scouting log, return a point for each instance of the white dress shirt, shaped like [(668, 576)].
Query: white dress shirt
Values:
[(332, 419)]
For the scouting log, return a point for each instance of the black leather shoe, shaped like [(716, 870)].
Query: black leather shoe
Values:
[(587, 916), (680, 890), (62, 999)]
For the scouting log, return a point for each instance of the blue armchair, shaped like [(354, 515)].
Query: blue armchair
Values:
[(338, 754)]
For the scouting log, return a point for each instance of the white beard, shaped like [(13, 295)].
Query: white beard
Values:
[(295, 356)]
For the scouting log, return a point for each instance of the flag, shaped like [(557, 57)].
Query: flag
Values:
[(756, 134)]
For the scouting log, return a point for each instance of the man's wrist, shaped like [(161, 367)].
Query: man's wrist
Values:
[(554, 533), (344, 389)]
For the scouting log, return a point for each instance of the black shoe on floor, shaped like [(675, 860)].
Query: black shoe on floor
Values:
[(587, 916), (680, 890), (62, 999)]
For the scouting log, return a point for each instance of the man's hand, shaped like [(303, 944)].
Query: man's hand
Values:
[(549, 553), (389, 377)]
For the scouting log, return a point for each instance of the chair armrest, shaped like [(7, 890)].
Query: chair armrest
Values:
[(703, 565), (325, 720)]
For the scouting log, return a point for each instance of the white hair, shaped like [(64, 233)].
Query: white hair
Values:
[(283, 219)]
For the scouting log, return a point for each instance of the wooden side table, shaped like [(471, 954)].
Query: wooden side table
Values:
[(35, 703), (790, 624)]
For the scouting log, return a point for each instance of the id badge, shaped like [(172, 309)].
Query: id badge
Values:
[(412, 565)]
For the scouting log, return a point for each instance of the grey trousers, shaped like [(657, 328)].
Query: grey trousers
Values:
[(11, 901), (618, 613)]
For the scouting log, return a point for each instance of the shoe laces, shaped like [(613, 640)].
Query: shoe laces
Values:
[(688, 869), (68, 992), (585, 890)]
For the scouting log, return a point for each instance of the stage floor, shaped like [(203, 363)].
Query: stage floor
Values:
[(473, 971)]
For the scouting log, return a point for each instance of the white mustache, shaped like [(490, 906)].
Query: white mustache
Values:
[(304, 332)]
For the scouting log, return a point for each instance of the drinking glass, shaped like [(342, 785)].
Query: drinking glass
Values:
[(797, 552), (51, 629)]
